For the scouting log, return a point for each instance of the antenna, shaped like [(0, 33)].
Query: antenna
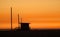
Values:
[(11, 18), (18, 20)]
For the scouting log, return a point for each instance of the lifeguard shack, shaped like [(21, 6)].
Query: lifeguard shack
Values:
[(25, 26)]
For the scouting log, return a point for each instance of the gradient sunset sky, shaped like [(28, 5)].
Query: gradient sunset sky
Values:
[(41, 14)]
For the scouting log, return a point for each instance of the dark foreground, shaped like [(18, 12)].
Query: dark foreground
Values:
[(31, 33)]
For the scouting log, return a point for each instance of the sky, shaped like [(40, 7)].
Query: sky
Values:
[(41, 14)]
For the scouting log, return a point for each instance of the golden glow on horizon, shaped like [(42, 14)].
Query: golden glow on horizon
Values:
[(40, 13)]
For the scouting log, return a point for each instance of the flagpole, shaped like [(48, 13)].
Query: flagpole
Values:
[(11, 18)]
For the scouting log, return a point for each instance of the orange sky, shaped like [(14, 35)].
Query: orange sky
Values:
[(39, 13)]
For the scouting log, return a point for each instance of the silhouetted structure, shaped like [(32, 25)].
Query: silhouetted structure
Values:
[(25, 26), (11, 18), (18, 21)]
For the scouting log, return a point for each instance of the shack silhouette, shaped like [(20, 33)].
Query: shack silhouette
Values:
[(25, 26)]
